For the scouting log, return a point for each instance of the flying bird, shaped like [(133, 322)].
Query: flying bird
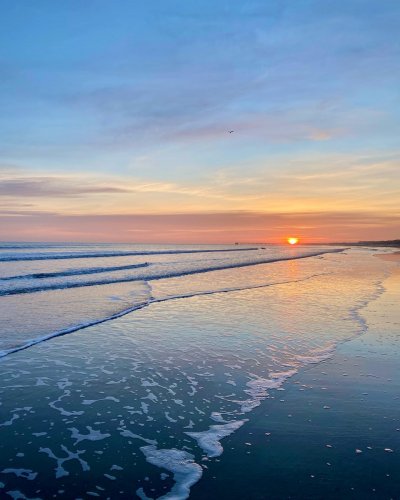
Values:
[(231, 131)]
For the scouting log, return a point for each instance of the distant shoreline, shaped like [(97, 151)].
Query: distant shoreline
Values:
[(7, 245), (385, 243)]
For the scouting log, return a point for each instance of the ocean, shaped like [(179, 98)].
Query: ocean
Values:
[(125, 368)]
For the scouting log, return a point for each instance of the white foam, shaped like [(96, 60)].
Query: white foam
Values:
[(18, 495), (92, 401), (152, 397), (116, 467), (141, 494), (10, 422), (60, 471), (74, 328), (93, 435), (126, 433), (109, 476), (185, 470), (170, 419), (145, 407), (209, 440), (26, 473), (217, 417), (258, 388), (317, 355), (64, 412)]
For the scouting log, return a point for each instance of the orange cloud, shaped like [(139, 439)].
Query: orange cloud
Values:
[(200, 228)]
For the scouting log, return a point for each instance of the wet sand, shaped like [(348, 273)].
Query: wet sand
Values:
[(83, 412), (333, 432), (394, 257)]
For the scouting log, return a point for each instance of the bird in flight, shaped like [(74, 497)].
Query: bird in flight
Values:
[(231, 131)]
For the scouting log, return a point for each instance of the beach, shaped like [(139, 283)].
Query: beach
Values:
[(394, 257), (199, 250), (334, 432), (262, 376)]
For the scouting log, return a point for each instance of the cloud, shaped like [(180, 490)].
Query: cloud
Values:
[(51, 187), (331, 183), (320, 135), (218, 227), (48, 187), (277, 72)]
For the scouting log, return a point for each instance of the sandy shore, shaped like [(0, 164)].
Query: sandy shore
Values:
[(333, 432), (120, 407), (394, 257)]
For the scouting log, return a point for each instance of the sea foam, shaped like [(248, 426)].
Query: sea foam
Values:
[(209, 441), (181, 463)]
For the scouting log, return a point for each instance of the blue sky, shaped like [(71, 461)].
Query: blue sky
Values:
[(123, 107)]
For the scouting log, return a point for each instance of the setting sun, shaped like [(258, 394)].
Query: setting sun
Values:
[(292, 241)]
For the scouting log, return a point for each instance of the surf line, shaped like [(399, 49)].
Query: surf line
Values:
[(77, 255), (173, 274), (74, 272), (82, 326)]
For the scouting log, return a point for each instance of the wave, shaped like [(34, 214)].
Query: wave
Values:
[(141, 305), (92, 255), (29, 246), (80, 326), (74, 272), (157, 276), (234, 289)]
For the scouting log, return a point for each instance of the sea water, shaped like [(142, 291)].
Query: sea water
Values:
[(166, 351)]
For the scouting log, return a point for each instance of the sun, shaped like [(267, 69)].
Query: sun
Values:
[(292, 240)]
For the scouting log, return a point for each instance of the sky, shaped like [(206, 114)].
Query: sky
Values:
[(115, 119)]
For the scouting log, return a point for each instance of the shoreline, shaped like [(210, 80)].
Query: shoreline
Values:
[(332, 431), (125, 367), (393, 257)]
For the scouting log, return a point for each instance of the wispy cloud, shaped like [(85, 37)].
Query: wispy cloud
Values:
[(334, 183), (123, 108), (51, 187)]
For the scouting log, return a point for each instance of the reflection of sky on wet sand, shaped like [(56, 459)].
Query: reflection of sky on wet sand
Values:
[(50, 296), (92, 399), (302, 443)]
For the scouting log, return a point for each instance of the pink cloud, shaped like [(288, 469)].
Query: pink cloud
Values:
[(199, 227)]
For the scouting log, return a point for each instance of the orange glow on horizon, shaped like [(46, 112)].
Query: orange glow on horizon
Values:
[(292, 240)]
